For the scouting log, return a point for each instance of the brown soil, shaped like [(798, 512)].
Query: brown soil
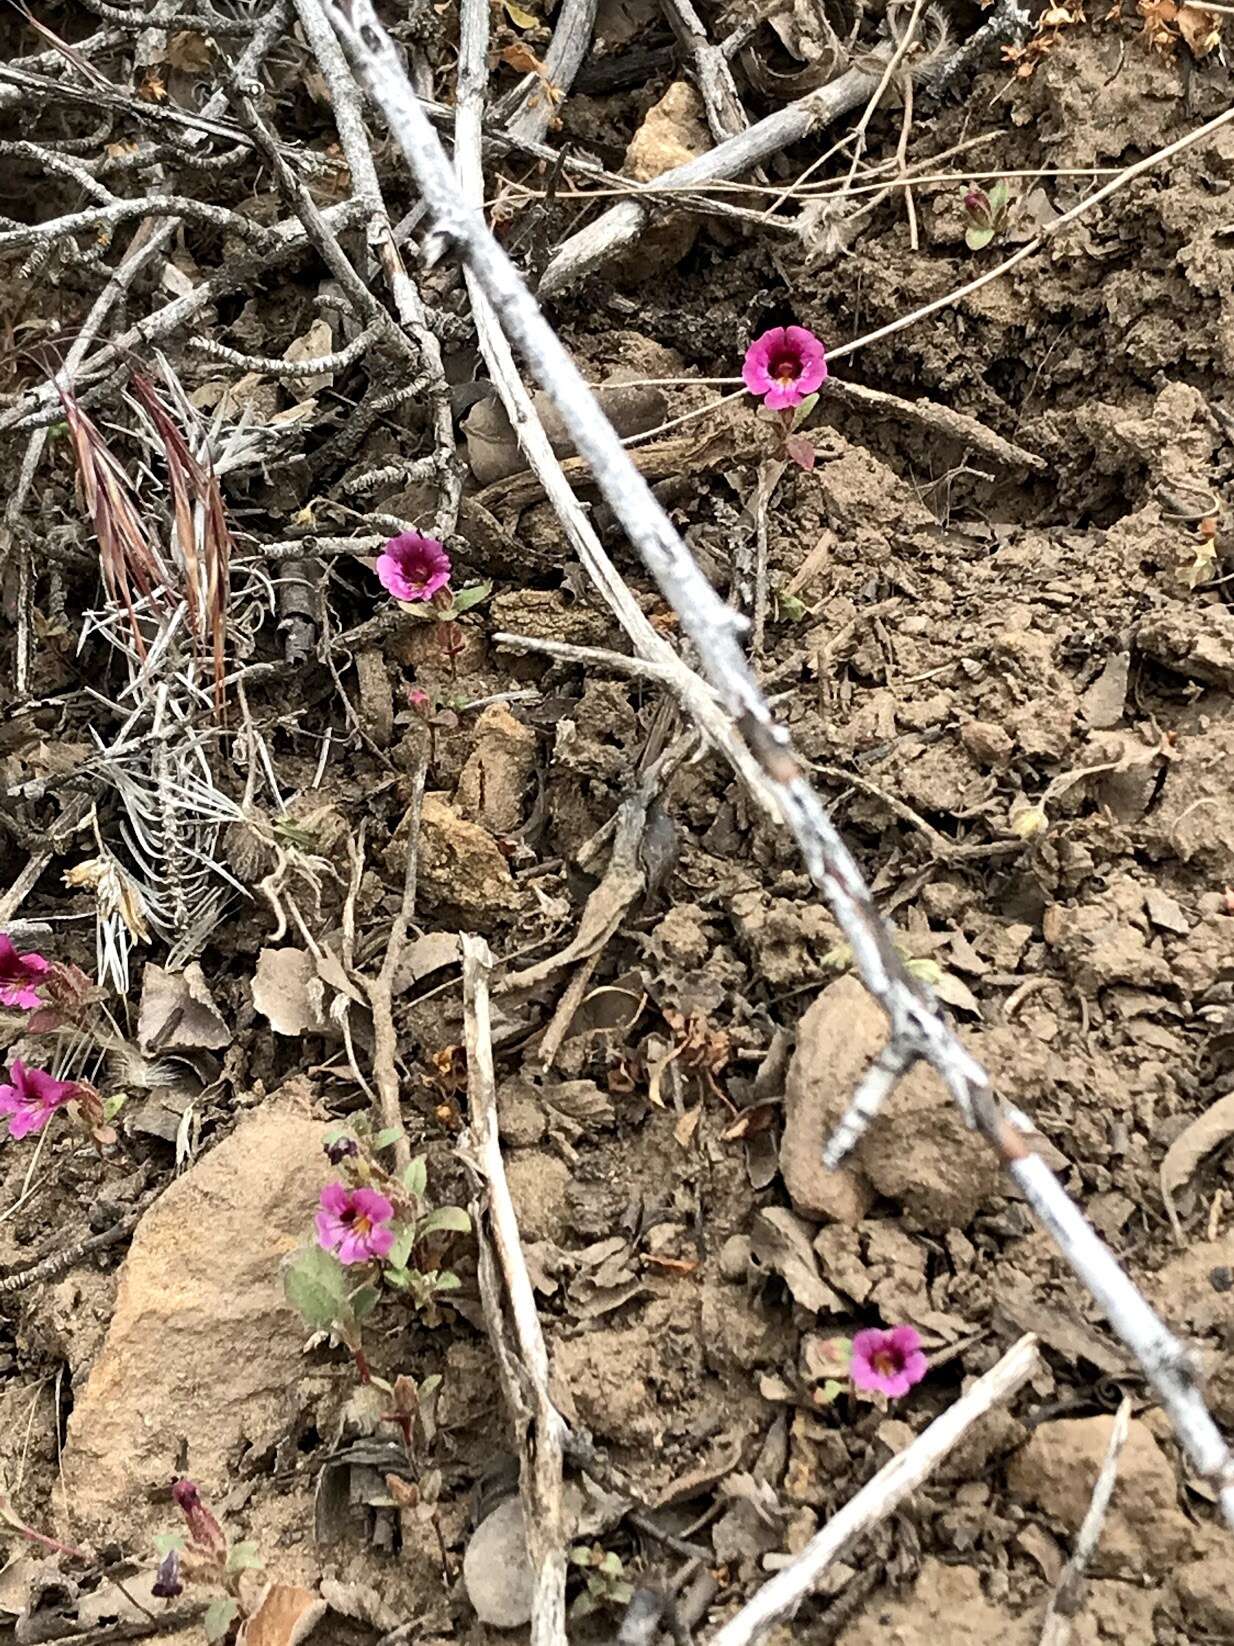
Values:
[(972, 643)]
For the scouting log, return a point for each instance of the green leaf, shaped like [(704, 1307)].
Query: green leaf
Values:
[(397, 1277), (611, 1565), (975, 239), (621, 1594), (415, 1177), (112, 1105), (364, 1301), (399, 1253), (445, 1219), (827, 1392), (465, 599), (926, 970), (165, 1542), (219, 1616), (520, 18), (430, 1385), (386, 1137), (804, 409), (316, 1285), (790, 607), (998, 196), (580, 1555), (445, 1280), (243, 1557)]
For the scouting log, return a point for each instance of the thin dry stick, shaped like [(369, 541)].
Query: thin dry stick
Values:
[(783, 1594), (530, 108), (725, 114), (622, 224), (917, 1028), (349, 118), (380, 990), (1127, 175), (1068, 1591), (543, 1450), (945, 420)]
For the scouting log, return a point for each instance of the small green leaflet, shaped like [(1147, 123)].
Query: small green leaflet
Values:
[(314, 1283), (446, 1218), (415, 1178), (218, 1618)]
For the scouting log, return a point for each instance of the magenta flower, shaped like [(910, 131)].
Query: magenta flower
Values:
[(413, 567), (32, 1097), (354, 1223), (887, 1362), (20, 976), (785, 364)]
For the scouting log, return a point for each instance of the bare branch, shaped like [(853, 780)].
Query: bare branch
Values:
[(542, 1450)]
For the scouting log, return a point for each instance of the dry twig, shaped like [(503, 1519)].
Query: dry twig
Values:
[(539, 1427), (1068, 1591)]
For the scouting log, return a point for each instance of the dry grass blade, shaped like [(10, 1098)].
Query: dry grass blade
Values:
[(129, 560), (195, 491)]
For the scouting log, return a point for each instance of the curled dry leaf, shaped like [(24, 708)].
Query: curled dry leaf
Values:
[(1182, 1157), (780, 1241), (285, 1615)]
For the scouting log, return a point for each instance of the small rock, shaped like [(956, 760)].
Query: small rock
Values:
[(202, 1346), (497, 1573), (735, 1257), (494, 780), (1057, 1470), (520, 1116), (988, 743), (945, 1603), (918, 1152), (1206, 1589), (461, 865), (538, 1188), (673, 132)]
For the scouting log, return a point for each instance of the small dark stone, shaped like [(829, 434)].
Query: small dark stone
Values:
[(1221, 1279)]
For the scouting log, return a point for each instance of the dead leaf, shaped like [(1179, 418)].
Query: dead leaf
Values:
[(424, 956), (178, 1013), (1182, 1157), (288, 992), (316, 341), (780, 1242), (1102, 704), (687, 1125), (285, 1615), (497, 1574), (189, 52), (1200, 29)]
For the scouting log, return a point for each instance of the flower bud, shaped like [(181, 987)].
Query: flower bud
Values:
[(167, 1584), (342, 1148)]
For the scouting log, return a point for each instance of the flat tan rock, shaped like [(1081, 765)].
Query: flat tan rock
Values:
[(1057, 1470), (918, 1153), (203, 1350)]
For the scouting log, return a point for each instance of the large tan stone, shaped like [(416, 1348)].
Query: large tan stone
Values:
[(917, 1153), (1057, 1470), (203, 1352)]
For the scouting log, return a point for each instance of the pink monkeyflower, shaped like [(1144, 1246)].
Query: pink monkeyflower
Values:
[(785, 364), (20, 976), (354, 1223), (32, 1097), (412, 567), (888, 1363)]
